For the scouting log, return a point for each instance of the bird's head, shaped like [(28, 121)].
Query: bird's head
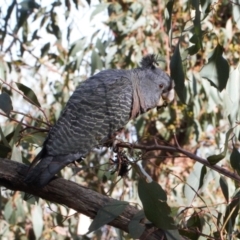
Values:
[(154, 84)]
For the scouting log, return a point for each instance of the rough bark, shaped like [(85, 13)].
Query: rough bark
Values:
[(68, 193)]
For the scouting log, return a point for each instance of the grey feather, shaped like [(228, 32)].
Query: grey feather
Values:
[(99, 107)]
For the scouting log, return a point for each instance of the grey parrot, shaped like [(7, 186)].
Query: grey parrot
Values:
[(98, 108)]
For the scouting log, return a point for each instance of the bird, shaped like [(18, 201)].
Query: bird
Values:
[(97, 109)]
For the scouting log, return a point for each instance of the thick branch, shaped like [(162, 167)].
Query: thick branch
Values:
[(70, 194)]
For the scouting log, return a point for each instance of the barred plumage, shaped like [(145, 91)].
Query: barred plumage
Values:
[(99, 107)]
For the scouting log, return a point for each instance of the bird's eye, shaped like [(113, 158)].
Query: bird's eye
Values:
[(161, 86)]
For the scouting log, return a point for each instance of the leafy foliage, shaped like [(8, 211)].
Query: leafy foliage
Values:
[(46, 55)]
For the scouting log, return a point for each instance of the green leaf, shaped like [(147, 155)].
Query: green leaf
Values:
[(177, 74), (29, 95), (193, 49), (216, 71), (8, 210), (15, 137), (236, 12), (154, 200), (4, 150), (218, 157), (37, 220), (45, 49), (168, 15), (235, 160), (233, 86), (203, 173), (96, 62), (99, 8), (135, 228), (107, 213), (193, 182), (5, 140), (100, 47), (5, 147), (224, 187), (195, 224), (77, 46), (29, 5), (214, 159), (16, 154), (206, 6), (36, 138), (172, 235), (76, 2), (232, 212), (5, 103)]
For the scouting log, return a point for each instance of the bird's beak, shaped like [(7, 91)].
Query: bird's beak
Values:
[(168, 96)]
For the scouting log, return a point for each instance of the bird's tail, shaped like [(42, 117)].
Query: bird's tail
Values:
[(42, 170)]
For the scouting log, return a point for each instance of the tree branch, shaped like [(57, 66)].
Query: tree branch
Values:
[(69, 193), (178, 149)]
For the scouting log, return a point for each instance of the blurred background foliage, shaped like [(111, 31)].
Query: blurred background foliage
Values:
[(49, 47)]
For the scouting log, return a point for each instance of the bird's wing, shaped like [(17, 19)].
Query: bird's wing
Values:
[(95, 111)]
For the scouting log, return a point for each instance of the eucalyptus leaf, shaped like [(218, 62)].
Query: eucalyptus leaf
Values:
[(224, 187), (6, 103), (177, 74), (216, 71), (107, 213), (99, 8), (154, 200), (29, 95), (232, 212), (96, 62), (218, 157), (172, 234), (135, 228), (37, 220), (235, 160)]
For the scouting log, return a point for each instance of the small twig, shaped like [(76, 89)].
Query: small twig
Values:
[(200, 233), (235, 3), (175, 140), (19, 92), (24, 124), (33, 118), (205, 162), (34, 56)]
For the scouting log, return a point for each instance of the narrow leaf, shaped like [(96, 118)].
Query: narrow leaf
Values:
[(224, 187), (177, 74), (107, 213), (169, 8), (193, 182), (203, 173), (232, 212), (99, 8), (135, 228), (172, 235), (216, 158), (29, 95), (77, 46), (5, 103), (37, 220), (235, 160), (96, 62), (44, 49), (216, 71), (154, 200)]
